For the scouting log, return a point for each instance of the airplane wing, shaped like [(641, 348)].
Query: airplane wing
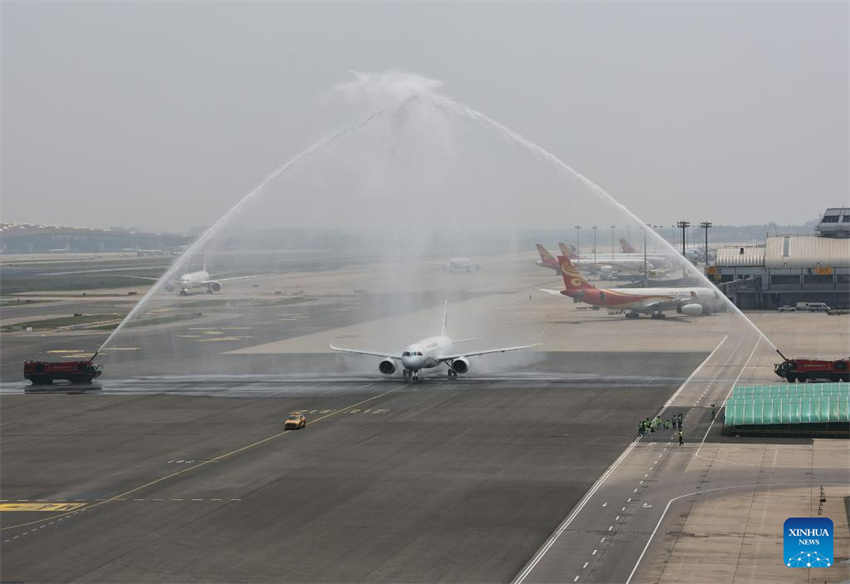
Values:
[(655, 304), (370, 353), (239, 277), (137, 277), (487, 352)]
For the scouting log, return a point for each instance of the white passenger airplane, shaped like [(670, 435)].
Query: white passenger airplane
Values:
[(200, 279), (189, 281), (428, 353)]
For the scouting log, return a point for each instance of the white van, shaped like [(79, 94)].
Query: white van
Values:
[(813, 306)]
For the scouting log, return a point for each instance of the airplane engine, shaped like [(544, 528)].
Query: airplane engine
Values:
[(693, 309), (460, 365), (214, 286), (387, 367)]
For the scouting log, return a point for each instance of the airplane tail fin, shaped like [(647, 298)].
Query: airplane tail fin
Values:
[(567, 250), (573, 280), (545, 256), (444, 330), (626, 246)]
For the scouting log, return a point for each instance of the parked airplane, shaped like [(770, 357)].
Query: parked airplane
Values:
[(634, 301), (428, 353), (604, 266), (693, 253), (461, 265), (189, 281)]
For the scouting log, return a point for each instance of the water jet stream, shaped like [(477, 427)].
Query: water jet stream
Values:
[(536, 149), (199, 243)]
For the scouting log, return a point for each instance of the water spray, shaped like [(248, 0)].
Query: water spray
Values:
[(199, 243), (541, 152)]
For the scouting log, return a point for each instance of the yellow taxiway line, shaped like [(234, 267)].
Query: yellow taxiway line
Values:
[(189, 469)]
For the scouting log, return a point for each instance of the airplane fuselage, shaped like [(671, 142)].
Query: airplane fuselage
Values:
[(638, 298), (426, 353)]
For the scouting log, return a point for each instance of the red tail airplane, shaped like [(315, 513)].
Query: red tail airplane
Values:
[(633, 301), (547, 260)]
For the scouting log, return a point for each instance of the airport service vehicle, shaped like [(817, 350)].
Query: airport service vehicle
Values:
[(46, 372), (804, 369), (428, 353), (813, 306), (295, 422), (634, 301), (461, 265), (787, 308)]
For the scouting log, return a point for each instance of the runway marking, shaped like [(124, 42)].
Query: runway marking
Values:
[(223, 456), (725, 399), (693, 373), (594, 552), (585, 565), (24, 506), (703, 492), (573, 514)]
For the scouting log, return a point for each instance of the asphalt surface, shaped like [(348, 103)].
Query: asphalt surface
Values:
[(389, 482), (611, 530)]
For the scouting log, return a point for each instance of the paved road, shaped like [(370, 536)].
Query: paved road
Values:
[(604, 537), (389, 482)]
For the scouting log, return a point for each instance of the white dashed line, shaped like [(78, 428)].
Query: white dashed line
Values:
[(576, 579), (602, 540), (594, 552), (605, 504), (585, 565)]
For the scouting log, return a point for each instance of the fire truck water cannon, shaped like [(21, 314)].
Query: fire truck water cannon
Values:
[(804, 369), (46, 372)]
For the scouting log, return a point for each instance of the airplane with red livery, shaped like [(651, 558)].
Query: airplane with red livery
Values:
[(692, 301)]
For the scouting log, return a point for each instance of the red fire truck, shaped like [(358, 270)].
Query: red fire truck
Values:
[(46, 372), (804, 369)]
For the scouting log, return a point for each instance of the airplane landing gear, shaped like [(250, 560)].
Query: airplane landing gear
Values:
[(632, 315), (658, 314), (452, 373), (410, 375)]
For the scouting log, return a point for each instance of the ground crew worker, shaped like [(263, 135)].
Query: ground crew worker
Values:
[(681, 438), (666, 424)]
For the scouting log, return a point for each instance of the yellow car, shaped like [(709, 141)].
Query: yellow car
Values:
[(295, 422)]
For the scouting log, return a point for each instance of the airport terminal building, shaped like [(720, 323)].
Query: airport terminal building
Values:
[(787, 269)]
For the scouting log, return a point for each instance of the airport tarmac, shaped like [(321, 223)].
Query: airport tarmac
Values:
[(388, 482), (181, 472)]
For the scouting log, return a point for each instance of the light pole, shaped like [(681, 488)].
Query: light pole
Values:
[(706, 225), (595, 230), (683, 225), (578, 241)]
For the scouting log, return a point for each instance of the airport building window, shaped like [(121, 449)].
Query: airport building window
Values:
[(785, 279), (816, 280), (845, 219), (830, 219)]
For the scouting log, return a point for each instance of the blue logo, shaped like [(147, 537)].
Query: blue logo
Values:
[(808, 542)]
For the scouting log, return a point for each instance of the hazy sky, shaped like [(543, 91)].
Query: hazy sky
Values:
[(163, 115)]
